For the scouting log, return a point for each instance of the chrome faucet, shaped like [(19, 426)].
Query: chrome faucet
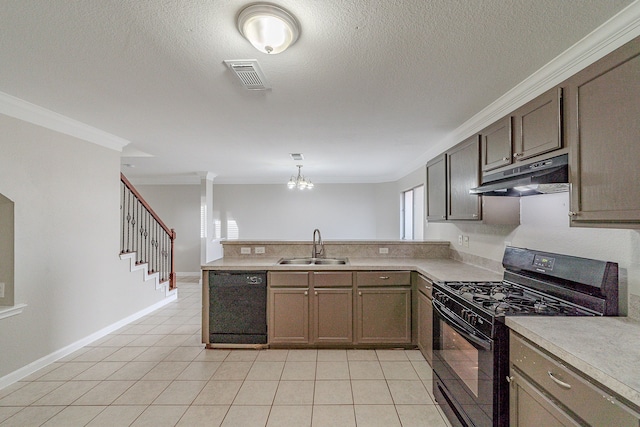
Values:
[(315, 252)]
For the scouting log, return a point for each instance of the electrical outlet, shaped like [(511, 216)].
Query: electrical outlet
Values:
[(245, 251), (460, 239), (1, 290), (258, 250), (466, 241), (383, 251)]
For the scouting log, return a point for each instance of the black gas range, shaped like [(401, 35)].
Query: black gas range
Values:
[(471, 341)]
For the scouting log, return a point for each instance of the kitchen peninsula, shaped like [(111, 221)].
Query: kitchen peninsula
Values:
[(433, 261)]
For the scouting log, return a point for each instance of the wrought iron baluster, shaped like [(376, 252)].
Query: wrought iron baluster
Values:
[(144, 233)]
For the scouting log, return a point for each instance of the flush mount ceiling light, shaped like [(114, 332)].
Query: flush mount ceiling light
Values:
[(299, 182), (268, 27)]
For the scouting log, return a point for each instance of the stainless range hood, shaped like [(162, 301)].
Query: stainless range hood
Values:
[(540, 177)]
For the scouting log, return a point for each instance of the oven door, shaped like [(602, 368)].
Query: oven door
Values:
[(463, 364)]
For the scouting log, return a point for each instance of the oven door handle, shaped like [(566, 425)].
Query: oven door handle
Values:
[(461, 328)]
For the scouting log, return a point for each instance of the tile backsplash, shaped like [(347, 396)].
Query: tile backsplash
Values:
[(352, 249)]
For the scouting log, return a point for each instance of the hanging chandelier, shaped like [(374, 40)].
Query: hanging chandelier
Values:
[(299, 182)]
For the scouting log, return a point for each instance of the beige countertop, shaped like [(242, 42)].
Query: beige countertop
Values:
[(606, 349), (435, 269)]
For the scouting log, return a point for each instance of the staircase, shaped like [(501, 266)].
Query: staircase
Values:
[(145, 239)]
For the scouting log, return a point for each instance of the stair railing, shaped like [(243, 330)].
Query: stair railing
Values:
[(143, 232)]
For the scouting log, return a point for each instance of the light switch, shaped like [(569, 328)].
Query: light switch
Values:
[(466, 241), (383, 251), (258, 249), (245, 251)]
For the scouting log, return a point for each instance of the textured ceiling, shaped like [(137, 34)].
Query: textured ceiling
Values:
[(368, 88)]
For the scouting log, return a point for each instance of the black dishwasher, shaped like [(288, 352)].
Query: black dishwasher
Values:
[(238, 307)]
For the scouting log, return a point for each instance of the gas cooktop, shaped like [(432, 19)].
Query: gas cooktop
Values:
[(503, 298)]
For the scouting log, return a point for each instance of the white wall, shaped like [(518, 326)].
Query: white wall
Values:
[(179, 208), (545, 226), (340, 211), (67, 268)]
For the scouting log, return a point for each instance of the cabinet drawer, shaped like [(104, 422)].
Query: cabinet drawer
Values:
[(383, 278), (299, 279), (588, 401), (329, 279), (424, 285)]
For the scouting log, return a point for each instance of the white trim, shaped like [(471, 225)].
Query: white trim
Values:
[(32, 367), (23, 110), (155, 277), (618, 30), (11, 311)]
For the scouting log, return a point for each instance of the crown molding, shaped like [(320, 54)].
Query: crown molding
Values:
[(618, 30), (31, 113)]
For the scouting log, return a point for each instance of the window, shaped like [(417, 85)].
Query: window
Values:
[(412, 213)]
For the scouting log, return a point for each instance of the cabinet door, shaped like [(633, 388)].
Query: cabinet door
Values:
[(425, 327), (333, 315), (537, 126), (496, 144), (463, 168), (384, 315), (603, 130), (289, 315), (436, 206), (529, 407)]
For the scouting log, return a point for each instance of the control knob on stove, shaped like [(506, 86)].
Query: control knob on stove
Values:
[(470, 316), (443, 298)]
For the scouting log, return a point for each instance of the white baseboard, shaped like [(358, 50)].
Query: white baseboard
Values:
[(32, 367), (188, 273)]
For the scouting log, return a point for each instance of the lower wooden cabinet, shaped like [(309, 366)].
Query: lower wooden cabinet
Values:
[(384, 316), (545, 392), (333, 315), (288, 308), (310, 308), (317, 308), (383, 307), (530, 407), (425, 318)]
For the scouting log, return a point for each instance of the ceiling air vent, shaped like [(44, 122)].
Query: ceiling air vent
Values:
[(249, 73)]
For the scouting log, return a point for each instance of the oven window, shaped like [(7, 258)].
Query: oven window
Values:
[(461, 356)]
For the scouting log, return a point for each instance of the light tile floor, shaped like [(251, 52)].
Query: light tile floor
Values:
[(156, 372)]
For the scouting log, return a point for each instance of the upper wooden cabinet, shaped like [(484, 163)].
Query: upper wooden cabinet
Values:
[(436, 200), (537, 126), (463, 173), (602, 111), (496, 144), (531, 130)]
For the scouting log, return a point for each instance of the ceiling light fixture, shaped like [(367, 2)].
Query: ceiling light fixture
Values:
[(268, 27), (299, 182)]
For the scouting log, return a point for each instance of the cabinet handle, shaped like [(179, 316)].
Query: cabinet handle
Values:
[(444, 217), (384, 277), (516, 155), (573, 214), (505, 159), (427, 287), (475, 215), (509, 379), (359, 293), (306, 292), (316, 293), (557, 381)]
